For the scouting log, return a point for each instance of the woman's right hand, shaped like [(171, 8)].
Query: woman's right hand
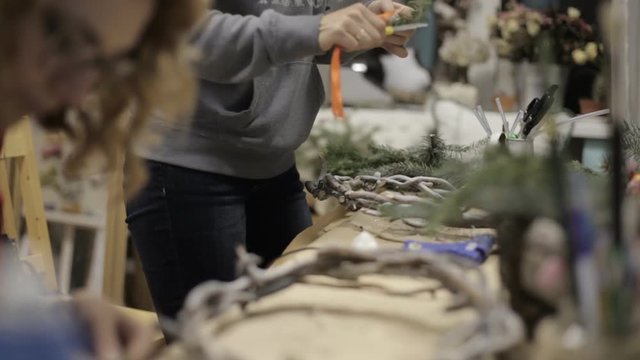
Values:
[(354, 28)]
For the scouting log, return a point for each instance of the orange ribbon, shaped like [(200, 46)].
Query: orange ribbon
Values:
[(337, 105)]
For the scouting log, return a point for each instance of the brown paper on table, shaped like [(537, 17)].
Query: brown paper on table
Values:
[(312, 322)]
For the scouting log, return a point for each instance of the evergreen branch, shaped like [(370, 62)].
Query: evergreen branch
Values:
[(631, 140), (420, 9), (345, 158), (505, 186)]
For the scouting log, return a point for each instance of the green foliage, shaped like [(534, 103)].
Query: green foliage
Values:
[(432, 151), (432, 157), (50, 178), (504, 185), (631, 140), (420, 9), (407, 168), (341, 137), (345, 158)]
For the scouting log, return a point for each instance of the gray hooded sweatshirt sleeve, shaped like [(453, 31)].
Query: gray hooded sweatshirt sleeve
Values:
[(260, 89), (236, 48)]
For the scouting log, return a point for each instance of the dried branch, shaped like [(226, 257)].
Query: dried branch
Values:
[(371, 191), (496, 328)]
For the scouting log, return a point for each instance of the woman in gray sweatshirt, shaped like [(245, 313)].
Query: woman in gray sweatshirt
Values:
[(228, 176)]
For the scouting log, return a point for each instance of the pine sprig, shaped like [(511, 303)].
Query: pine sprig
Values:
[(432, 151), (493, 180), (341, 138), (345, 158), (420, 9), (432, 157), (407, 168), (631, 140), (504, 185)]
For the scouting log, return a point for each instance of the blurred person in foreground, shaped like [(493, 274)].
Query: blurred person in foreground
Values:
[(94, 70)]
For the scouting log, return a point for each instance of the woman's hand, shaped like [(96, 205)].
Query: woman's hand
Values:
[(357, 28), (353, 28)]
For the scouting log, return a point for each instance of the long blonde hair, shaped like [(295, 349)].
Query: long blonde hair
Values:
[(161, 80)]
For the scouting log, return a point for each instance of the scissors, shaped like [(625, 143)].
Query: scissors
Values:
[(537, 109), (390, 30), (337, 105)]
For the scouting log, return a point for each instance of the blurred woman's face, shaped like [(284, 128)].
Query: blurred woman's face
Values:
[(63, 48)]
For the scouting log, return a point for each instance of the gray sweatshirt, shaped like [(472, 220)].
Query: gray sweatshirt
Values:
[(260, 89)]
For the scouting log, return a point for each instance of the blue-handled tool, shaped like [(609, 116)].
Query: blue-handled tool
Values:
[(477, 249)]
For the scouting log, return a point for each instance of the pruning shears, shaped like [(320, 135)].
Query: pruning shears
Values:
[(537, 109), (337, 105), (390, 30)]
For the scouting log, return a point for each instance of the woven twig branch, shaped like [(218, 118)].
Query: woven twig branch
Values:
[(371, 191), (495, 329)]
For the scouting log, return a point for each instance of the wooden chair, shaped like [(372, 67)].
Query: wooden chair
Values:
[(115, 254), (22, 193), (70, 223)]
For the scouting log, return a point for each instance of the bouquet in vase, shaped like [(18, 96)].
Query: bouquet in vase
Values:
[(577, 43), (517, 32)]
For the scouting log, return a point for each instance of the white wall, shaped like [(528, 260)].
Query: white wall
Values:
[(625, 49)]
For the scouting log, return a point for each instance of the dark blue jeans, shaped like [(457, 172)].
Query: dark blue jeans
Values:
[(186, 225)]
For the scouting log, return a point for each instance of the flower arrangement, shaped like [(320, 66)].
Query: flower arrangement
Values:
[(457, 48), (520, 34), (461, 50), (451, 15), (577, 43), (516, 32)]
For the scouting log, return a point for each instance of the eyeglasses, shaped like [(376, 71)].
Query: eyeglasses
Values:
[(79, 47)]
